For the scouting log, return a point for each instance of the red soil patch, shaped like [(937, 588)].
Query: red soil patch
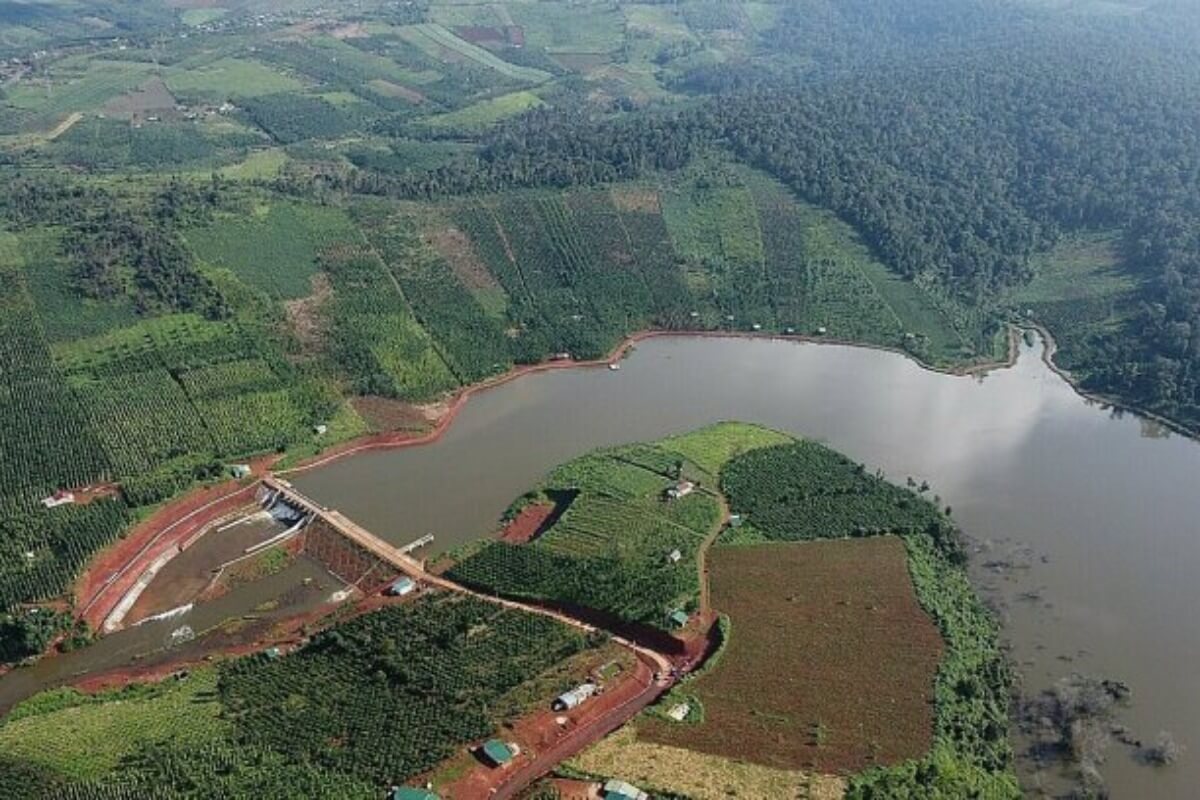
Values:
[(527, 523), (456, 248), (830, 664), (545, 743), (385, 414), (304, 316), (392, 89), (480, 34)]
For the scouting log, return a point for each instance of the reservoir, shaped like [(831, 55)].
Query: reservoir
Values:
[(1089, 520), (1085, 522)]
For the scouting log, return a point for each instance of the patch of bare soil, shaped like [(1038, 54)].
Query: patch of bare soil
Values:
[(454, 246), (386, 414), (304, 316), (151, 98), (481, 34), (632, 199), (528, 522), (390, 89), (830, 665), (351, 30)]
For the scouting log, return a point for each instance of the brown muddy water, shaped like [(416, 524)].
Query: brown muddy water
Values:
[(241, 616), (1095, 516)]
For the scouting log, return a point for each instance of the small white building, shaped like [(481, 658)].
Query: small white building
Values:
[(320, 430), (59, 498), (402, 586), (674, 557), (574, 698), (679, 711), (681, 489)]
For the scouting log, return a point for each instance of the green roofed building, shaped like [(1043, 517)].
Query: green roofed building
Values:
[(497, 752), (622, 790), (678, 618), (409, 793)]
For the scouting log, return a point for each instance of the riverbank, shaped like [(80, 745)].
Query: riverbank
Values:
[(448, 409), (113, 572), (1048, 353)]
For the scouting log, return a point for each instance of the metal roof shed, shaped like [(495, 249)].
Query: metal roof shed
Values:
[(409, 793), (497, 752)]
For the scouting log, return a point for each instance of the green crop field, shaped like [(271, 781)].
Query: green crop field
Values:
[(84, 90), (378, 700), (596, 28), (230, 77), (82, 737), (277, 248), (1081, 291), (441, 43), (486, 112), (609, 549)]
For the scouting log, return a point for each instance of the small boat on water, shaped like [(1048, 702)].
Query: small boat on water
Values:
[(614, 366)]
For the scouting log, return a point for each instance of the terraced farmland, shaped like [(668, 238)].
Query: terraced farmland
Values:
[(614, 548)]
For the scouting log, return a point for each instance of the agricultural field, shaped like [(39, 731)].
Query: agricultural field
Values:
[(470, 340), (669, 770), (374, 702), (844, 646), (1080, 291), (83, 737), (486, 112), (608, 551), (830, 663), (277, 248), (230, 78), (441, 44)]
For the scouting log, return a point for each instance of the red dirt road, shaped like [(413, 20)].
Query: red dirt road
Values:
[(545, 744)]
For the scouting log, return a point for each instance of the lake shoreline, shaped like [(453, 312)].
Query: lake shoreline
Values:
[(455, 401)]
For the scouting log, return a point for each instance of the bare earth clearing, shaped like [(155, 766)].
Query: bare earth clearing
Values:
[(830, 665)]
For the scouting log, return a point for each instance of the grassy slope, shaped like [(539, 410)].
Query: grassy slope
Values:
[(609, 549), (1079, 290), (82, 737)]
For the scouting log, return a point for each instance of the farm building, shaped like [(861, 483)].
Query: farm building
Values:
[(410, 793), (674, 557), (681, 489), (678, 618), (320, 430), (623, 790), (59, 498), (735, 520), (401, 587), (498, 753), (239, 470), (574, 698)]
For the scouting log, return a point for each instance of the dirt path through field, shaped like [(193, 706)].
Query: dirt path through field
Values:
[(64, 126), (702, 553)]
